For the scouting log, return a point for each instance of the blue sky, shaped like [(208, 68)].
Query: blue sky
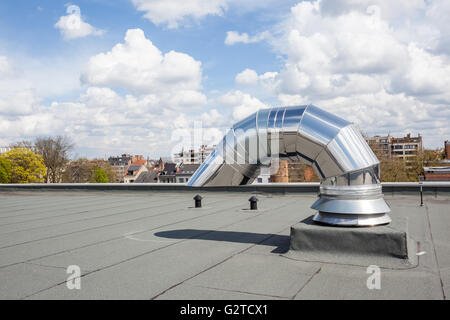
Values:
[(136, 74), (27, 27)]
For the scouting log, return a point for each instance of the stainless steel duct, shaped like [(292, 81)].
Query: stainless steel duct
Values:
[(350, 189)]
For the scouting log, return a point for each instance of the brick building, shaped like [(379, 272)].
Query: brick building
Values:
[(293, 172), (437, 173), (440, 173), (282, 175)]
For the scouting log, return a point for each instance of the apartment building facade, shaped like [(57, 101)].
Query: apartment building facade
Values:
[(192, 156), (381, 145), (120, 165), (388, 146), (406, 147)]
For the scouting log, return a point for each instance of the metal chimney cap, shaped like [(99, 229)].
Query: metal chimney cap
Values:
[(348, 169), (253, 199), (198, 197)]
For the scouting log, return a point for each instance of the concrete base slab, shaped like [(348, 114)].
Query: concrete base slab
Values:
[(387, 246)]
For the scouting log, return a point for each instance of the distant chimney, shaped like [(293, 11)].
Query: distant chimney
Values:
[(447, 150)]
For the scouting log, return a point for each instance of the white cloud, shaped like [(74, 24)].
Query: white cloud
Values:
[(355, 52), (137, 65), (102, 121), (166, 94), (49, 76), (96, 97), (385, 67), (268, 80), (380, 64), (18, 103), (215, 119), (422, 22), (72, 26), (247, 77), (390, 10), (437, 34), (383, 113), (398, 114), (234, 37), (242, 103), (211, 117), (30, 125), (425, 75), (5, 67), (175, 12)]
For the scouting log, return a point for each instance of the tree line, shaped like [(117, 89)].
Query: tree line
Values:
[(394, 169), (47, 160)]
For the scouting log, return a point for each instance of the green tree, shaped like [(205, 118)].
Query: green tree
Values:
[(26, 166), (105, 166), (393, 170), (5, 170), (83, 171), (77, 171), (55, 152), (99, 176), (423, 158)]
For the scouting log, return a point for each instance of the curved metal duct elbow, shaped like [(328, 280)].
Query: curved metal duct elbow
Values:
[(350, 189)]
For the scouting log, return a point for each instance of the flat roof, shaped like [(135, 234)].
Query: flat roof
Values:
[(154, 245)]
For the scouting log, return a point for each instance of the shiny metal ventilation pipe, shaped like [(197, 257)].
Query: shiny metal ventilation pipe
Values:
[(350, 189)]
